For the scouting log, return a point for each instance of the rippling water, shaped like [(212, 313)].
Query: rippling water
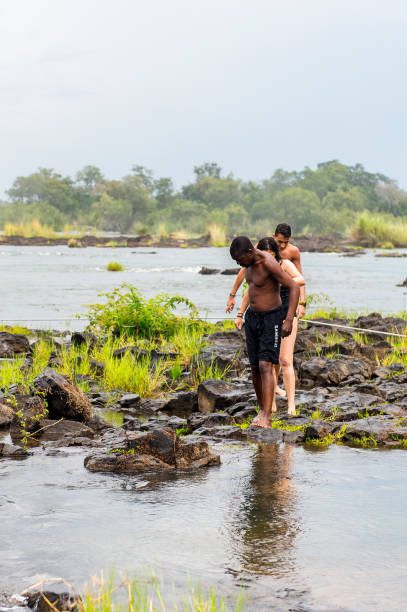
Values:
[(53, 284), (323, 529)]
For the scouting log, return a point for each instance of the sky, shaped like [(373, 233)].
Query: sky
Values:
[(169, 84)]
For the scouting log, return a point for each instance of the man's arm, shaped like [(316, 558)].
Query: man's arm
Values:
[(231, 299), (243, 308), (284, 279)]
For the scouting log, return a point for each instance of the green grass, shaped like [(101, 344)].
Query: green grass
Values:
[(364, 442), (114, 266), (375, 230), (327, 440), (202, 372)]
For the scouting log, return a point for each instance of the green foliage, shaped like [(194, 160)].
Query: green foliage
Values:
[(127, 313), (327, 200), (114, 266)]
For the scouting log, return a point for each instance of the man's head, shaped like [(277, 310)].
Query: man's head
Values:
[(282, 235), (242, 251)]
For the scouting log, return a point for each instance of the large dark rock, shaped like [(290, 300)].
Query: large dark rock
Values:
[(30, 414), (317, 429), (231, 271), (13, 344), (224, 350), (55, 430), (375, 321), (334, 371), (181, 403), (63, 398), (130, 400), (12, 451), (208, 271), (157, 450), (45, 601), (84, 339), (216, 394)]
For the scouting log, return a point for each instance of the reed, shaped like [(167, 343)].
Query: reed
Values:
[(29, 229), (217, 235), (377, 230)]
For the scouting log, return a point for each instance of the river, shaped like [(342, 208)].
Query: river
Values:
[(47, 287)]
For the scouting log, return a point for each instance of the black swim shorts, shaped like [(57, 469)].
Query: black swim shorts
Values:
[(263, 335)]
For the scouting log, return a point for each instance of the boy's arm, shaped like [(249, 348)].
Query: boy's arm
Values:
[(231, 299)]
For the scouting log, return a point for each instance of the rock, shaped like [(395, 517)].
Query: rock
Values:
[(403, 284), (326, 371), (63, 398), (13, 344), (176, 423), (181, 403), (375, 321), (216, 394), (205, 270), (381, 429), (83, 339), (130, 400), (6, 415), (317, 429), (246, 413), (30, 414), (158, 450), (391, 391), (209, 420), (62, 602), (54, 430), (231, 271), (224, 350), (96, 367), (266, 436), (12, 451)]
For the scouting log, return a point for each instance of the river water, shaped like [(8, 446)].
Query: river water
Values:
[(299, 529), (47, 287)]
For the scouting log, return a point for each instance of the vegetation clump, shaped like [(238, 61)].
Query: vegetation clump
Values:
[(114, 266)]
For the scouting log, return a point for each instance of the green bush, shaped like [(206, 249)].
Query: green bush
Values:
[(114, 266), (127, 313)]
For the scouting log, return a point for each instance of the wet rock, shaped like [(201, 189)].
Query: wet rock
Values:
[(380, 429), (346, 401), (12, 451), (63, 398), (231, 271), (13, 344), (55, 430), (216, 395), (224, 350), (176, 423), (45, 601), (391, 391), (317, 429), (151, 406), (403, 284), (100, 398), (181, 403), (158, 450), (208, 271), (209, 420), (245, 414), (130, 400), (6, 415), (265, 436), (30, 414), (294, 437)]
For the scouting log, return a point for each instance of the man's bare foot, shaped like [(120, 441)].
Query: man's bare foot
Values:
[(280, 392), (261, 420)]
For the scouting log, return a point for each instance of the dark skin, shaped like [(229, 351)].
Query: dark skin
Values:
[(264, 277)]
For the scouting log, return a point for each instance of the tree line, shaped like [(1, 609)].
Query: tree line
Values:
[(326, 200)]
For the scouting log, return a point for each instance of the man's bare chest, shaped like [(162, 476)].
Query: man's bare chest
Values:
[(259, 277)]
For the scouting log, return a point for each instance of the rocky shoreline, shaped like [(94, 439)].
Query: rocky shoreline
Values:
[(317, 244)]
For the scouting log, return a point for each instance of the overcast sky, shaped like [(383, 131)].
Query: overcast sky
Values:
[(252, 84)]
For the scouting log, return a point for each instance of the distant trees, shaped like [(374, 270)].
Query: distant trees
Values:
[(325, 200)]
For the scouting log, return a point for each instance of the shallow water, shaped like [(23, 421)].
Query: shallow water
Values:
[(324, 529), (47, 287)]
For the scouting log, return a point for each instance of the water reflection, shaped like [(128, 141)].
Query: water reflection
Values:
[(266, 522)]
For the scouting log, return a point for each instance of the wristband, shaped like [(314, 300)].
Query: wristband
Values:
[(239, 315), (232, 294), (302, 304)]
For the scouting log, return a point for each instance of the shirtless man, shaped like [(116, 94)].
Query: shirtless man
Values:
[(263, 322), (282, 236)]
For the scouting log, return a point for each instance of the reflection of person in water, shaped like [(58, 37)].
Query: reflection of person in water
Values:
[(267, 515)]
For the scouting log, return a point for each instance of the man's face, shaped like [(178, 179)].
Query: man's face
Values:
[(244, 259), (282, 241)]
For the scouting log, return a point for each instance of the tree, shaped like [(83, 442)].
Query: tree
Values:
[(298, 207), (90, 176), (163, 191), (112, 215), (208, 169)]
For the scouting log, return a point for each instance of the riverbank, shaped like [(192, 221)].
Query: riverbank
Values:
[(311, 244)]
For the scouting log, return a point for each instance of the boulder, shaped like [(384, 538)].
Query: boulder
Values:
[(63, 398), (30, 414), (157, 450), (12, 451), (40, 601), (181, 403), (317, 429), (209, 420), (84, 339), (207, 271), (216, 395), (130, 400), (326, 371), (381, 429), (392, 391), (231, 271), (55, 430), (224, 350), (13, 344), (6, 415)]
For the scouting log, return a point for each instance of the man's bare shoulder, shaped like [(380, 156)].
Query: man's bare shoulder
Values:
[(291, 252)]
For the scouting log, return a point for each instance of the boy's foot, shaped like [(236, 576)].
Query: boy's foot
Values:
[(261, 420), (280, 392)]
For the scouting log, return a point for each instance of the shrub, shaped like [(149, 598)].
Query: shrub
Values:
[(114, 266), (127, 313)]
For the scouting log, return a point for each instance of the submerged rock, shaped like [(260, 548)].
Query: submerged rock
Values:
[(63, 398), (45, 601)]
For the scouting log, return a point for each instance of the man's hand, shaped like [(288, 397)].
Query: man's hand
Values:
[(239, 322), (230, 304), (301, 312), (287, 328)]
